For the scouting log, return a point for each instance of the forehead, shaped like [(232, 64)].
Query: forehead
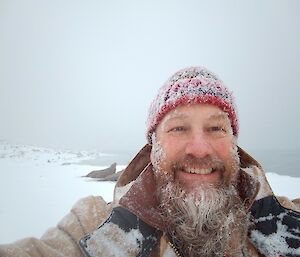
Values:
[(195, 111)]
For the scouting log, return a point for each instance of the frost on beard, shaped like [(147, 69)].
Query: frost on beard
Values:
[(157, 153)]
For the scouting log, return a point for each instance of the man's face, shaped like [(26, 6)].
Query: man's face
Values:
[(195, 162), (196, 146)]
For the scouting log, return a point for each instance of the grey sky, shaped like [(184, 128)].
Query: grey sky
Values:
[(81, 74)]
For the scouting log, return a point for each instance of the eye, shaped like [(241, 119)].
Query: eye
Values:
[(217, 129), (178, 129)]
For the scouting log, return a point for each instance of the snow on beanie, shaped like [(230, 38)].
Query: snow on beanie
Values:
[(188, 86)]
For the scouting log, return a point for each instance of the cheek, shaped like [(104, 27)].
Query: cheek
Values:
[(225, 149), (173, 146), (227, 152), (163, 154), (161, 164), (170, 147), (172, 151)]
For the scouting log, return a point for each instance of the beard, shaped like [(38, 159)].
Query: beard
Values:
[(210, 221)]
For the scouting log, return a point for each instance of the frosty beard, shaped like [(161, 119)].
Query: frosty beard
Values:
[(208, 222)]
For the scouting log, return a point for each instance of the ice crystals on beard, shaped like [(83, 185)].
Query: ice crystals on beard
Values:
[(157, 153)]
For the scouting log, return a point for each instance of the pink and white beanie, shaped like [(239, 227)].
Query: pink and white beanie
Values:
[(191, 86)]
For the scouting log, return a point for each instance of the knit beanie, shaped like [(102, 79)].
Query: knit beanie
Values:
[(191, 86)]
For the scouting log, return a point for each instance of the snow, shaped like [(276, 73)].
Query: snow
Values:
[(169, 252), (284, 185), (39, 186), (157, 152), (275, 243), (120, 243), (120, 191)]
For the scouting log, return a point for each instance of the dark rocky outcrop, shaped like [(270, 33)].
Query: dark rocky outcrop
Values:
[(108, 174), (112, 177), (102, 173)]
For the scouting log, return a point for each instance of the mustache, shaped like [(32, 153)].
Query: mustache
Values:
[(192, 161)]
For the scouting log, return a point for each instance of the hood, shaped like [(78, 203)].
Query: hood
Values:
[(135, 188)]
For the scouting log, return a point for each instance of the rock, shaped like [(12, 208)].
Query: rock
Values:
[(111, 177), (100, 174)]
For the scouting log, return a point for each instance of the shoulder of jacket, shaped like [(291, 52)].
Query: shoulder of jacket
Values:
[(288, 203), (90, 212)]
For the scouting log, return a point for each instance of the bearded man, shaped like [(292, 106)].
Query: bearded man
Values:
[(191, 191), (195, 166)]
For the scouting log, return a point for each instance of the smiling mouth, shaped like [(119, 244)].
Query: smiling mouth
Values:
[(201, 171)]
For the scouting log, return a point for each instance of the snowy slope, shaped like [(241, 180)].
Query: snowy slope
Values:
[(38, 187)]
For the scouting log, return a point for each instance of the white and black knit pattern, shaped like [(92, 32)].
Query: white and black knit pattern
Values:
[(277, 229)]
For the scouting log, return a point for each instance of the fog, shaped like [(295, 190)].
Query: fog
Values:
[(81, 74)]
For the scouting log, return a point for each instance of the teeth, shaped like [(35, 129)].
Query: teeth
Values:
[(199, 171)]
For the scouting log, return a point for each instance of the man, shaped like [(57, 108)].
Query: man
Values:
[(191, 191)]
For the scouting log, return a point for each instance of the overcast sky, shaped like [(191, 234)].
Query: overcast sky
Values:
[(81, 74)]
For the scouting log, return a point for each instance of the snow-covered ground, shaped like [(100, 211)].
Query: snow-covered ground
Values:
[(38, 187)]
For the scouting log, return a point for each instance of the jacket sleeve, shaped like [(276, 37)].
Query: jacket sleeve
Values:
[(62, 241)]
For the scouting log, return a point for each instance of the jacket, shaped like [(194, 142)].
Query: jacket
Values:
[(130, 225)]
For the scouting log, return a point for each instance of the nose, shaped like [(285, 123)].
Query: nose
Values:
[(198, 145)]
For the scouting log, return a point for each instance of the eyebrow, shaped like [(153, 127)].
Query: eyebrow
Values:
[(218, 116), (177, 116)]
